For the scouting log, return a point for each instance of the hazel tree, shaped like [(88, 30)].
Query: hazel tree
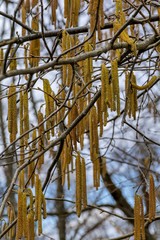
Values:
[(79, 119)]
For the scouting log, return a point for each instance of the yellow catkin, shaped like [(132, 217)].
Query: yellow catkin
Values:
[(44, 207), (76, 12), (34, 45), (137, 218), (26, 58), (21, 110), (11, 217), (41, 140), (48, 93), (13, 63), (1, 58), (147, 85), (27, 5), (36, 196), (39, 208), (23, 19), (24, 215), (100, 116), (30, 225), (124, 35), (87, 64), (78, 185), (91, 135), (115, 81), (26, 116), (92, 10), (104, 92), (12, 112), (103, 87), (128, 91), (133, 100), (152, 198), (143, 235), (83, 184), (66, 8), (31, 169), (30, 194), (19, 230), (54, 5)]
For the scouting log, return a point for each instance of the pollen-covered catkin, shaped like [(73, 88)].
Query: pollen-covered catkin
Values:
[(26, 116), (30, 225), (12, 112), (115, 82), (78, 185), (83, 183), (137, 219), (19, 230), (41, 139), (152, 198)]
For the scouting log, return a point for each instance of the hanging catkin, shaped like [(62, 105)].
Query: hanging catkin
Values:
[(30, 225), (34, 45), (11, 217), (139, 229), (54, 5), (12, 112), (24, 214), (26, 116), (137, 219), (13, 63), (41, 139), (115, 81), (152, 198), (19, 230), (48, 93), (147, 85), (23, 18), (83, 183), (78, 185)]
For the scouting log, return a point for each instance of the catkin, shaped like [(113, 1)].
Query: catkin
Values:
[(30, 225), (13, 63), (36, 195), (12, 112), (137, 218), (78, 185), (83, 183), (31, 170), (152, 198), (21, 118), (54, 5), (23, 18), (115, 81), (11, 217), (147, 85), (39, 208), (24, 214), (19, 230), (143, 235), (27, 6), (1, 58), (41, 139), (34, 50), (44, 207), (26, 115)]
